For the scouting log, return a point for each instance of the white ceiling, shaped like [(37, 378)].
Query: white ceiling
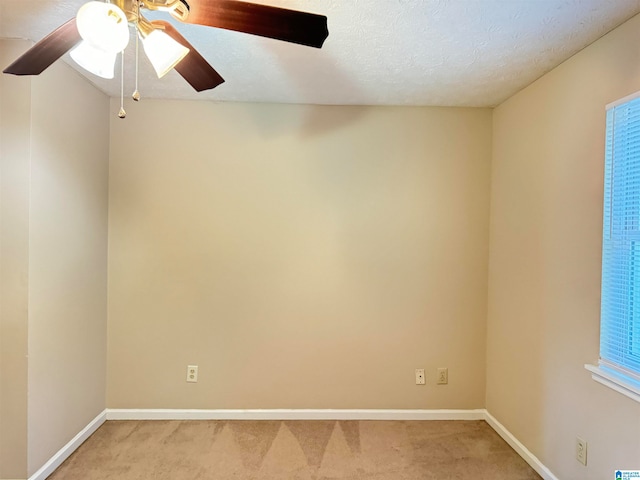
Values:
[(379, 52)]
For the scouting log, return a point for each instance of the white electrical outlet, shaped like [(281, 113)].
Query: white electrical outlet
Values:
[(581, 450), (443, 376), (419, 376), (192, 373)]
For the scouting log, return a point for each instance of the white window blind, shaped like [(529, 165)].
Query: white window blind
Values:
[(620, 314)]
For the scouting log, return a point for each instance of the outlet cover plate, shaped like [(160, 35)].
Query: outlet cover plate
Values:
[(192, 373), (443, 376), (581, 451)]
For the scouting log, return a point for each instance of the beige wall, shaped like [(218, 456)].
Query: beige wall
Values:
[(303, 257), (55, 150), (15, 135), (545, 263), (67, 259)]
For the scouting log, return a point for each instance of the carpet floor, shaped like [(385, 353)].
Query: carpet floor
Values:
[(294, 450)]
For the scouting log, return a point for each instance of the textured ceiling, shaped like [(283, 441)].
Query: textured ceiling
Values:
[(379, 52)]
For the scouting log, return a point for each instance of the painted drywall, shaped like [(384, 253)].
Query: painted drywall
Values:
[(54, 177), (545, 263), (302, 256), (67, 259), (15, 103)]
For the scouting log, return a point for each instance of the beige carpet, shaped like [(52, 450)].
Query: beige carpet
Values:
[(294, 450)]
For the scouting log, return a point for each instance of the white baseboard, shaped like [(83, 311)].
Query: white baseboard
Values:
[(169, 414), (185, 414), (64, 453), (528, 457)]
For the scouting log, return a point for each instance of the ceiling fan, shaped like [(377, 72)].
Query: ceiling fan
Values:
[(101, 30)]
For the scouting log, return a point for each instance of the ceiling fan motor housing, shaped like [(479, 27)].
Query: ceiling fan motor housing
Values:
[(179, 9)]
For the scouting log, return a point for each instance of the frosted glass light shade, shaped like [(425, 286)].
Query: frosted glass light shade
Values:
[(163, 52), (94, 60), (104, 26)]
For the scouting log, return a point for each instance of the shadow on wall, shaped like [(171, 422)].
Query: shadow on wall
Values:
[(315, 123)]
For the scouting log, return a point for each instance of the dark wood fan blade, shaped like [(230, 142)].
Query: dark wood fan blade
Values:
[(193, 68), (272, 22), (39, 57)]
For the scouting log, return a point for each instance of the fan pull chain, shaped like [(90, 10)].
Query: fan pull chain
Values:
[(136, 93), (122, 113)]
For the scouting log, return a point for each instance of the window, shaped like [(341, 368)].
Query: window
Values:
[(619, 365)]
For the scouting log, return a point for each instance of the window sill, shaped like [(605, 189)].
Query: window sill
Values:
[(615, 381)]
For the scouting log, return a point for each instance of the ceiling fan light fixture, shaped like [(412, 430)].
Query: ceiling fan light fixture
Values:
[(104, 26), (163, 52), (100, 31), (94, 60)]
